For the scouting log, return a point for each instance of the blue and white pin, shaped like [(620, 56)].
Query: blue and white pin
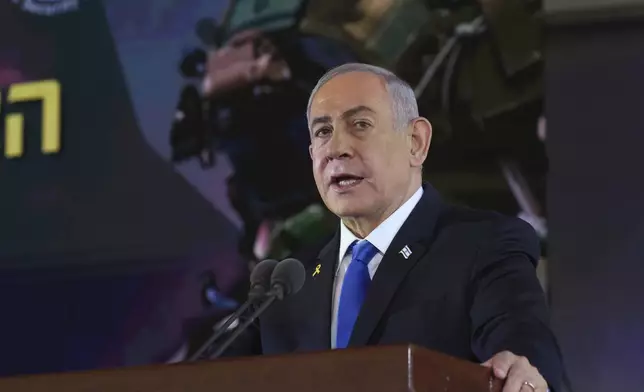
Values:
[(405, 252)]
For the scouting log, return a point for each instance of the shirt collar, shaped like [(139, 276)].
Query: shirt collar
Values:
[(382, 235)]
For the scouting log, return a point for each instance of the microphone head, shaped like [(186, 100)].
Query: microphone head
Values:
[(289, 276), (260, 277)]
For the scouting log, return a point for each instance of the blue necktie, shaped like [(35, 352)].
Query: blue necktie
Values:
[(354, 289)]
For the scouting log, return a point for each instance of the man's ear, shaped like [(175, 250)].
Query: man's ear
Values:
[(421, 138), (311, 150)]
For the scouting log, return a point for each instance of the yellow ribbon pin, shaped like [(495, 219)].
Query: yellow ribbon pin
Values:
[(317, 269)]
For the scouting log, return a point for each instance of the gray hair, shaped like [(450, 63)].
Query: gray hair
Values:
[(403, 100)]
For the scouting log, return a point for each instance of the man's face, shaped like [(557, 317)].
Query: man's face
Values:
[(361, 164)]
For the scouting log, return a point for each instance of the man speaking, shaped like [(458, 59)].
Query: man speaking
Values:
[(404, 267)]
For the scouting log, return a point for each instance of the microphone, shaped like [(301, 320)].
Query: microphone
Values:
[(287, 279), (260, 278), (260, 281)]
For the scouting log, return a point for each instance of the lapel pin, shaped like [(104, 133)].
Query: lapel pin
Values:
[(405, 252), (317, 269)]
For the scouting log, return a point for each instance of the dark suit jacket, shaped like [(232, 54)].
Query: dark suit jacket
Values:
[(469, 289)]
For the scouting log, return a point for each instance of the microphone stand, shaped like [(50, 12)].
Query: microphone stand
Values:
[(272, 296), (259, 285), (220, 331)]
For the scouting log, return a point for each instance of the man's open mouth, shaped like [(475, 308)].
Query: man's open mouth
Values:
[(345, 181)]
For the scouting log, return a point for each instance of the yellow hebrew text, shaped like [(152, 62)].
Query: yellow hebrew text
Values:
[(13, 137), (47, 91)]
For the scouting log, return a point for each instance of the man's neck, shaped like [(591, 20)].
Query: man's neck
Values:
[(362, 226)]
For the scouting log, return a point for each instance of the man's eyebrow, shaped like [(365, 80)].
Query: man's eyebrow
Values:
[(321, 120), (351, 112), (355, 110)]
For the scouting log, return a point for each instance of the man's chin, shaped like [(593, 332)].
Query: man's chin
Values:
[(347, 208)]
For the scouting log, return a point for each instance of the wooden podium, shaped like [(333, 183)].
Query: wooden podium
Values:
[(388, 368)]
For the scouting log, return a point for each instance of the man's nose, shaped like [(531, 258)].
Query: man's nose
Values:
[(339, 146)]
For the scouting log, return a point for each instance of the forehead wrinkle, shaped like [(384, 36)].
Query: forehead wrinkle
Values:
[(381, 93)]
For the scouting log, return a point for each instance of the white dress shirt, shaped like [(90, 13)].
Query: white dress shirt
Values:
[(380, 237)]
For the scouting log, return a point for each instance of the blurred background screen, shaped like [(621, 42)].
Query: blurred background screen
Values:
[(152, 152)]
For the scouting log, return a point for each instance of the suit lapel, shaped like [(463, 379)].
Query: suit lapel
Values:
[(320, 276), (410, 243)]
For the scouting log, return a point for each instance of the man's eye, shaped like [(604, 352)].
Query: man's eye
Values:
[(361, 124), (322, 132)]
